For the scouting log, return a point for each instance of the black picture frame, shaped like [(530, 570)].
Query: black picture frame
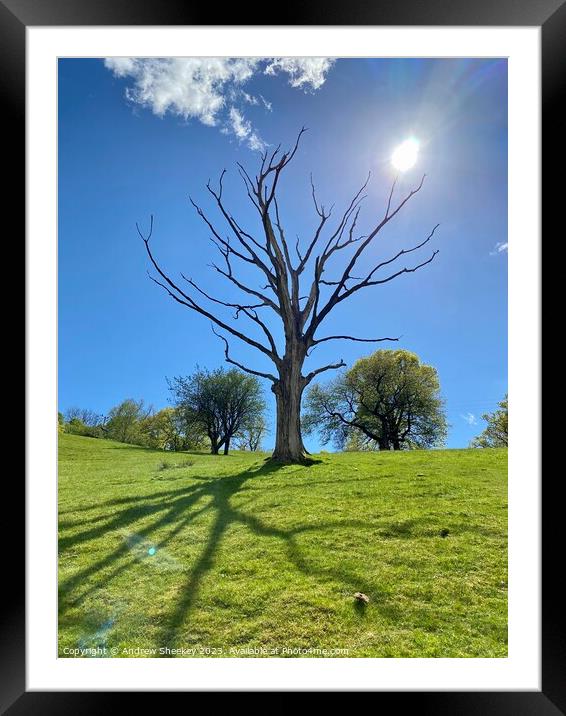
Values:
[(550, 15)]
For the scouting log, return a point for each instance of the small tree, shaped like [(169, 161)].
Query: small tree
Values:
[(82, 421), (219, 402), (83, 415), (252, 433), (389, 400), (160, 430), (495, 435), (125, 421)]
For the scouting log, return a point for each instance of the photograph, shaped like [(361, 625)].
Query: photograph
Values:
[(282, 357)]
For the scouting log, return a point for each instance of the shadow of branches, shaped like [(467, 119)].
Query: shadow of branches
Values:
[(177, 508)]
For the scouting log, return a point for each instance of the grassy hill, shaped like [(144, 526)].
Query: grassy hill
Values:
[(223, 555)]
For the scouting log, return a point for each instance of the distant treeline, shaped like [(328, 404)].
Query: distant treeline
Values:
[(212, 410), (386, 401)]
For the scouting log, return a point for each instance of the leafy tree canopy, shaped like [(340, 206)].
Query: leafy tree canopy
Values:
[(220, 402), (495, 434), (388, 400), (125, 421)]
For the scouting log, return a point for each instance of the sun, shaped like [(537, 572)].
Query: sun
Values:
[(405, 155)]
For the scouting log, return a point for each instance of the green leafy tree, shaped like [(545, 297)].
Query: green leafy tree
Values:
[(125, 421), (160, 430), (388, 400), (219, 403), (166, 430), (495, 434), (356, 441)]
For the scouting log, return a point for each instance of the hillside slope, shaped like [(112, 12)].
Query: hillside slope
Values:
[(230, 556)]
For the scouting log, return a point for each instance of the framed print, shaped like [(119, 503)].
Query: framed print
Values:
[(283, 282)]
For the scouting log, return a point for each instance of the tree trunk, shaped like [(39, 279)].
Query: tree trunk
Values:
[(288, 392), (226, 446), (396, 444)]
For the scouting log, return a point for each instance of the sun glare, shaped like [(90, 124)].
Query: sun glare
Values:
[(405, 155)]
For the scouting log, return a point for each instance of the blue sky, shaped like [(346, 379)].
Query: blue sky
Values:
[(137, 137)]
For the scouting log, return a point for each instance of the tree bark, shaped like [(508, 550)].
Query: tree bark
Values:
[(288, 392), (226, 446)]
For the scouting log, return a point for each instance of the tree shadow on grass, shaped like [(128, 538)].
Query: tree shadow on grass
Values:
[(174, 507), (178, 508)]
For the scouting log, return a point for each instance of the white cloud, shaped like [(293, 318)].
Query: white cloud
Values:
[(121, 66), (208, 89), (190, 87), (242, 128), (470, 418), (250, 99), (499, 248), (303, 71), (268, 106)]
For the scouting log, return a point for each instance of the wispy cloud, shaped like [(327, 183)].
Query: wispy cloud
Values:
[(305, 72), (210, 89), (469, 418), (499, 248), (242, 128)]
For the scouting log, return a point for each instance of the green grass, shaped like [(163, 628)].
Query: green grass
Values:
[(232, 552)]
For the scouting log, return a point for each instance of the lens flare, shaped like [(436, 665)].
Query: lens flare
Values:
[(405, 155)]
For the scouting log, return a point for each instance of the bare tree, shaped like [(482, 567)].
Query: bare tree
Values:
[(89, 417), (300, 314), (252, 433)]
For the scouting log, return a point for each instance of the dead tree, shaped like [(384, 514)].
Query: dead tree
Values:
[(300, 313)]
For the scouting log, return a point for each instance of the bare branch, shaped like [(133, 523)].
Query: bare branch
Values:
[(188, 301), (298, 251), (252, 292), (240, 236), (390, 197), (238, 306), (399, 273), (319, 211), (148, 237), (335, 283), (352, 338), (323, 219), (365, 283), (248, 184), (353, 206), (401, 253), (258, 373), (329, 249), (282, 237), (266, 199), (336, 297), (333, 366), (367, 280)]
